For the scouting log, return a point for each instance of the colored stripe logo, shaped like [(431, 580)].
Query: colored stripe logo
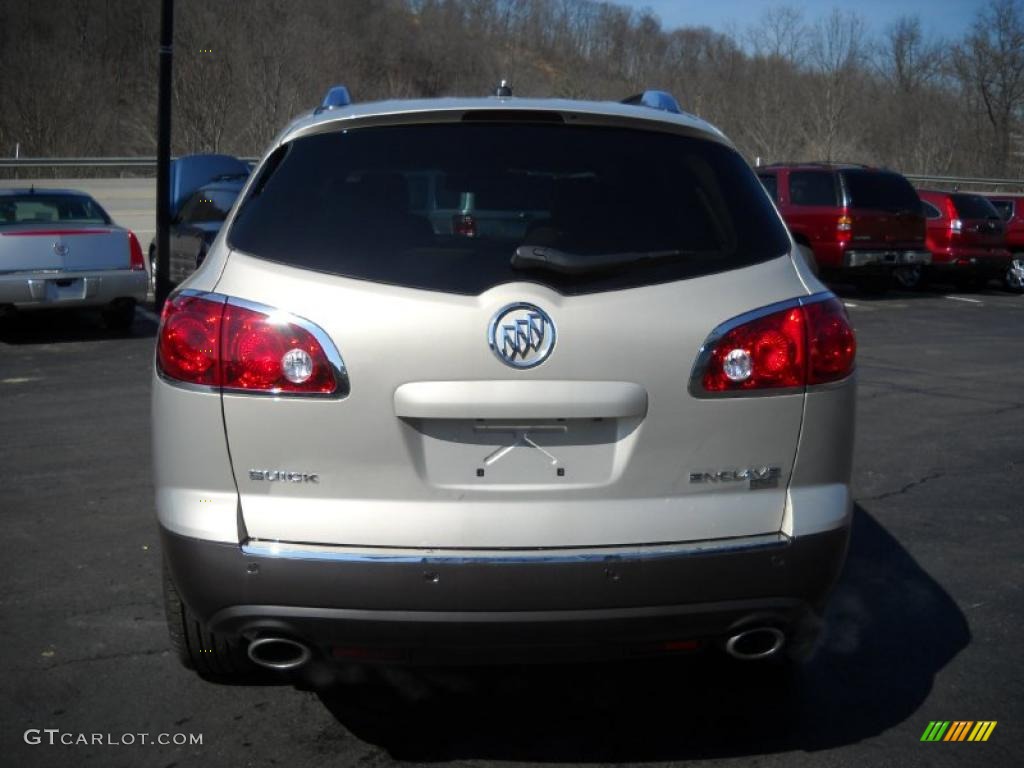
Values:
[(958, 730)]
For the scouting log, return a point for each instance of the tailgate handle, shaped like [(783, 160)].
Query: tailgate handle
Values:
[(520, 400)]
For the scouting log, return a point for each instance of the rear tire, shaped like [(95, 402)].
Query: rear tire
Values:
[(213, 657), (1013, 279), (910, 278)]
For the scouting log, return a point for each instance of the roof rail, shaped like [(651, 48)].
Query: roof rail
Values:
[(337, 96), (843, 163), (824, 163), (662, 100)]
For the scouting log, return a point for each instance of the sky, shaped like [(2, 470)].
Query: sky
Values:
[(939, 18)]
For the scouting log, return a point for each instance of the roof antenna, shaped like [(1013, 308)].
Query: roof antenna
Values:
[(504, 89)]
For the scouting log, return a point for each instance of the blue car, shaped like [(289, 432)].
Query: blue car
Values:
[(203, 189)]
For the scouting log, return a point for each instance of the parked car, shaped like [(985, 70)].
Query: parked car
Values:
[(859, 222), (1011, 208), (60, 249), (196, 224), (196, 212), (966, 238), (622, 426)]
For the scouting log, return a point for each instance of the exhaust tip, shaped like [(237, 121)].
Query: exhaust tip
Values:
[(757, 643), (279, 653)]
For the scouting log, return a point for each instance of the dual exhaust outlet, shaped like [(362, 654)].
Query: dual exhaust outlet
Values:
[(284, 654)]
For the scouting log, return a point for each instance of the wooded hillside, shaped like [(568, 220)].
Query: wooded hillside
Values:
[(78, 77)]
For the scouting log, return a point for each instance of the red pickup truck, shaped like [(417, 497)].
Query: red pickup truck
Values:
[(859, 222)]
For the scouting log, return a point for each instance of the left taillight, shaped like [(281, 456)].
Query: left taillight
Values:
[(240, 347), (798, 345), (135, 260)]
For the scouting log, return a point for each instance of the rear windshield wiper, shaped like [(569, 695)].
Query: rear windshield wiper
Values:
[(568, 263)]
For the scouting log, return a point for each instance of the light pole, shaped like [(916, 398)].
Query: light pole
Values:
[(163, 154)]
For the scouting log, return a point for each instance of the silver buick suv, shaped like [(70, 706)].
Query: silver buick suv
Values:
[(499, 379)]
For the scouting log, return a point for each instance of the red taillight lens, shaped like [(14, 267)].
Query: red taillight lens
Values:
[(220, 344), (463, 225), (844, 228), (833, 346), (135, 261), (765, 353), (189, 340), (794, 347), (260, 352)]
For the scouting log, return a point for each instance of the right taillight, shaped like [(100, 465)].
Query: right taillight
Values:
[(135, 260), (801, 344), (832, 345), (222, 343), (464, 225), (265, 352)]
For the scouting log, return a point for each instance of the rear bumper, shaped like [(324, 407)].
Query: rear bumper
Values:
[(960, 260), (43, 290), (840, 256), (441, 607), (884, 258)]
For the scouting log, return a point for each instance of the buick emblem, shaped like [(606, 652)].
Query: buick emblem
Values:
[(60, 249), (521, 335)]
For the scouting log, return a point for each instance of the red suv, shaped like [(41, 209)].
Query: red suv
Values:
[(966, 237), (1011, 208), (859, 222)]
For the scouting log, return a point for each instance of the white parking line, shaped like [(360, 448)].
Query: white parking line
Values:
[(964, 298), (21, 380), (849, 304)]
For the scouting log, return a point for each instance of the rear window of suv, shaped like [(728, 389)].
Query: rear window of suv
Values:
[(813, 188), (445, 206), (974, 207), (880, 190), (1005, 208)]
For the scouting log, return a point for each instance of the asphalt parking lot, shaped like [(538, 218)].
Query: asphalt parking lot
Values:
[(925, 624)]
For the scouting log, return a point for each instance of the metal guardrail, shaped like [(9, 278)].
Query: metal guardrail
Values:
[(86, 162), (150, 162), (959, 181)]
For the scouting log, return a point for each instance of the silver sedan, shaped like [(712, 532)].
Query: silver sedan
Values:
[(59, 248)]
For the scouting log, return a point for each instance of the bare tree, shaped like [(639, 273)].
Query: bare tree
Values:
[(836, 61), (79, 75), (990, 66), (780, 33), (905, 60)]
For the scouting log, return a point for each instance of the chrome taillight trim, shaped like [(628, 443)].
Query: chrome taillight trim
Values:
[(334, 357), (700, 365)]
